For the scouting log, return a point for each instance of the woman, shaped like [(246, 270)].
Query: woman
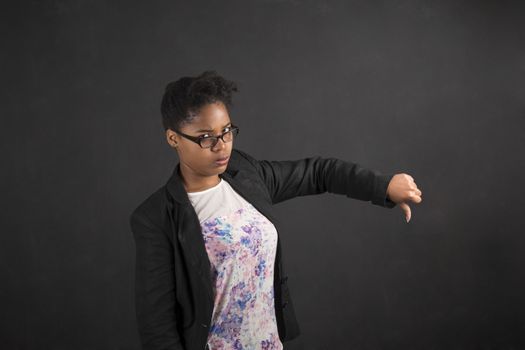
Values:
[(209, 271)]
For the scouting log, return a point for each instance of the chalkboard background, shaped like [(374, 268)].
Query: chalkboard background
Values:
[(434, 89)]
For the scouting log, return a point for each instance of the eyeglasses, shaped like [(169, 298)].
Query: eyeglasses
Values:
[(211, 141)]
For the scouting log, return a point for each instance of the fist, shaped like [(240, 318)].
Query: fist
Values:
[(401, 190)]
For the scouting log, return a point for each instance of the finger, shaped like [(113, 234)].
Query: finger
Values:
[(413, 186), (415, 189), (415, 192), (406, 210), (414, 197)]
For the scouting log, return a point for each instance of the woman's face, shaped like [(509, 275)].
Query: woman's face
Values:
[(212, 119)]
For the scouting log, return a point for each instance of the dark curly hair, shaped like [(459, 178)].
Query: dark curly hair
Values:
[(183, 98)]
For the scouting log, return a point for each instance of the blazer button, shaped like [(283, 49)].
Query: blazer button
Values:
[(204, 325), (284, 304)]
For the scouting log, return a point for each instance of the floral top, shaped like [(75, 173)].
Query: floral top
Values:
[(241, 245)]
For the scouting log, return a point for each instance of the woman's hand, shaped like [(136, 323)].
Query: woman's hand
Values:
[(402, 189)]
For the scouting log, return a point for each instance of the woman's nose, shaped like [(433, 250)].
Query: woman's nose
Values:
[(219, 145)]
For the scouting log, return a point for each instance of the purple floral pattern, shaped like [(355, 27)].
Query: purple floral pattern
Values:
[(241, 247)]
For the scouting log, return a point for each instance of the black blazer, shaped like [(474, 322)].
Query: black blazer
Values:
[(173, 285)]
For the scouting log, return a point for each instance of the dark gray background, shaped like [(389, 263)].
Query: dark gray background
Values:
[(434, 89)]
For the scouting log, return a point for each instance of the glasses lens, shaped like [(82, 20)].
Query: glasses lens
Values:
[(208, 142), (230, 135), (212, 141), (227, 137)]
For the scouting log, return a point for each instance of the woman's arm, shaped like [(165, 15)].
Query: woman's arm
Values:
[(315, 175), (154, 286)]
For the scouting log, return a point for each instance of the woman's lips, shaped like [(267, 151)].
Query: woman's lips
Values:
[(222, 161)]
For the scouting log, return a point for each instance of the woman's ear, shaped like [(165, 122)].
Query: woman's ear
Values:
[(172, 138)]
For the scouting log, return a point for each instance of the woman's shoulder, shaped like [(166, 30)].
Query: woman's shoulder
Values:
[(242, 158), (151, 208)]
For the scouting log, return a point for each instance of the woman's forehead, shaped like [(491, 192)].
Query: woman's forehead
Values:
[(211, 117)]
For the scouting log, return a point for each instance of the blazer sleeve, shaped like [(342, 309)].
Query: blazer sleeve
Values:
[(315, 175), (154, 286)]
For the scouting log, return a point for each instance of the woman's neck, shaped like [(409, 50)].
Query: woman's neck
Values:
[(196, 183)]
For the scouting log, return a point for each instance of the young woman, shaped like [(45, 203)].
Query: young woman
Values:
[(209, 270)]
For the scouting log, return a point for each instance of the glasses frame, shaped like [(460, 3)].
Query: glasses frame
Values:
[(198, 139)]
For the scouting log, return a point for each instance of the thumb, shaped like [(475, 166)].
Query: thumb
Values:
[(406, 210)]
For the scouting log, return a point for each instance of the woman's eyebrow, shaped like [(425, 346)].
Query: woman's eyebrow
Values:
[(202, 130)]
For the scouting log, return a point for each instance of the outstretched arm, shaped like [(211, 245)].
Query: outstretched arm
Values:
[(314, 175)]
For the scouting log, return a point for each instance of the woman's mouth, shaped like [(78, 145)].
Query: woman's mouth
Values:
[(222, 161)]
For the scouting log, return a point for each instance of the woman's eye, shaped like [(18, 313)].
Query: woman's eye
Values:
[(226, 129)]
